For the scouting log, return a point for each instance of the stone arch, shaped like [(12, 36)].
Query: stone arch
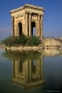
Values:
[(34, 66), (20, 67), (33, 27), (20, 28)]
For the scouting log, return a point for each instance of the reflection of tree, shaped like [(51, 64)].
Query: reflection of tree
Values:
[(30, 55), (26, 55)]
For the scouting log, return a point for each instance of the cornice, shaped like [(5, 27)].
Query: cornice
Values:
[(27, 6)]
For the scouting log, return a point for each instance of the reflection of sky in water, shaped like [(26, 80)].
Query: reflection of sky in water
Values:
[(52, 70), (34, 62)]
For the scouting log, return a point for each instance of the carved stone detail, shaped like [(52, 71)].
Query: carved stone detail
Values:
[(29, 16)]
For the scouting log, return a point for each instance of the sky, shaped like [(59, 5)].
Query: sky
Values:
[(52, 21)]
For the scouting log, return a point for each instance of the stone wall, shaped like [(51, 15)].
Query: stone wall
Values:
[(52, 42), (24, 48)]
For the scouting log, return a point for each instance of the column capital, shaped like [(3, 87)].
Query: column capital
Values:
[(26, 12), (30, 12), (39, 14), (11, 16)]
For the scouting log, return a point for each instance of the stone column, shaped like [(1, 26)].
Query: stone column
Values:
[(12, 32), (41, 26), (24, 29), (39, 69), (26, 71), (30, 69), (16, 29), (36, 68), (38, 26), (16, 66), (29, 24), (26, 23), (13, 68)]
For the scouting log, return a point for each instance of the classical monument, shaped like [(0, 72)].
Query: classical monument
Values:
[(25, 18), (28, 74)]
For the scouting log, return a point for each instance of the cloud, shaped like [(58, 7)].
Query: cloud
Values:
[(5, 29), (5, 32)]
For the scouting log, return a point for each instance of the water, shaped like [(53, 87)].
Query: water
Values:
[(31, 72)]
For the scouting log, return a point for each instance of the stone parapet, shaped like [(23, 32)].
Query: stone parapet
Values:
[(35, 48)]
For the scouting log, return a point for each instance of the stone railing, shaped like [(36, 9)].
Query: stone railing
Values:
[(21, 48)]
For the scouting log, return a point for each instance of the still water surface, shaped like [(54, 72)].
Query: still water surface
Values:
[(30, 72)]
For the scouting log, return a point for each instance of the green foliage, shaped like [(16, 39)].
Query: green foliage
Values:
[(11, 41), (22, 40), (33, 41), (22, 56)]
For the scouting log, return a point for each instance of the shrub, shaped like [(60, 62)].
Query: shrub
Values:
[(11, 41), (23, 40), (33, 41)]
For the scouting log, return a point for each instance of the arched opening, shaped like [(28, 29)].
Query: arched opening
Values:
[(33, 27), (47, 45), (21, 67), (33, 66), (20, 28)]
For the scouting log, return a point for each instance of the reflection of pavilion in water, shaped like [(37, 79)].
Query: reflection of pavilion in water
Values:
[(28, 74), (50, 52)]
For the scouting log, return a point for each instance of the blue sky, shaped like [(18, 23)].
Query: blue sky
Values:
[(52, 22)]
